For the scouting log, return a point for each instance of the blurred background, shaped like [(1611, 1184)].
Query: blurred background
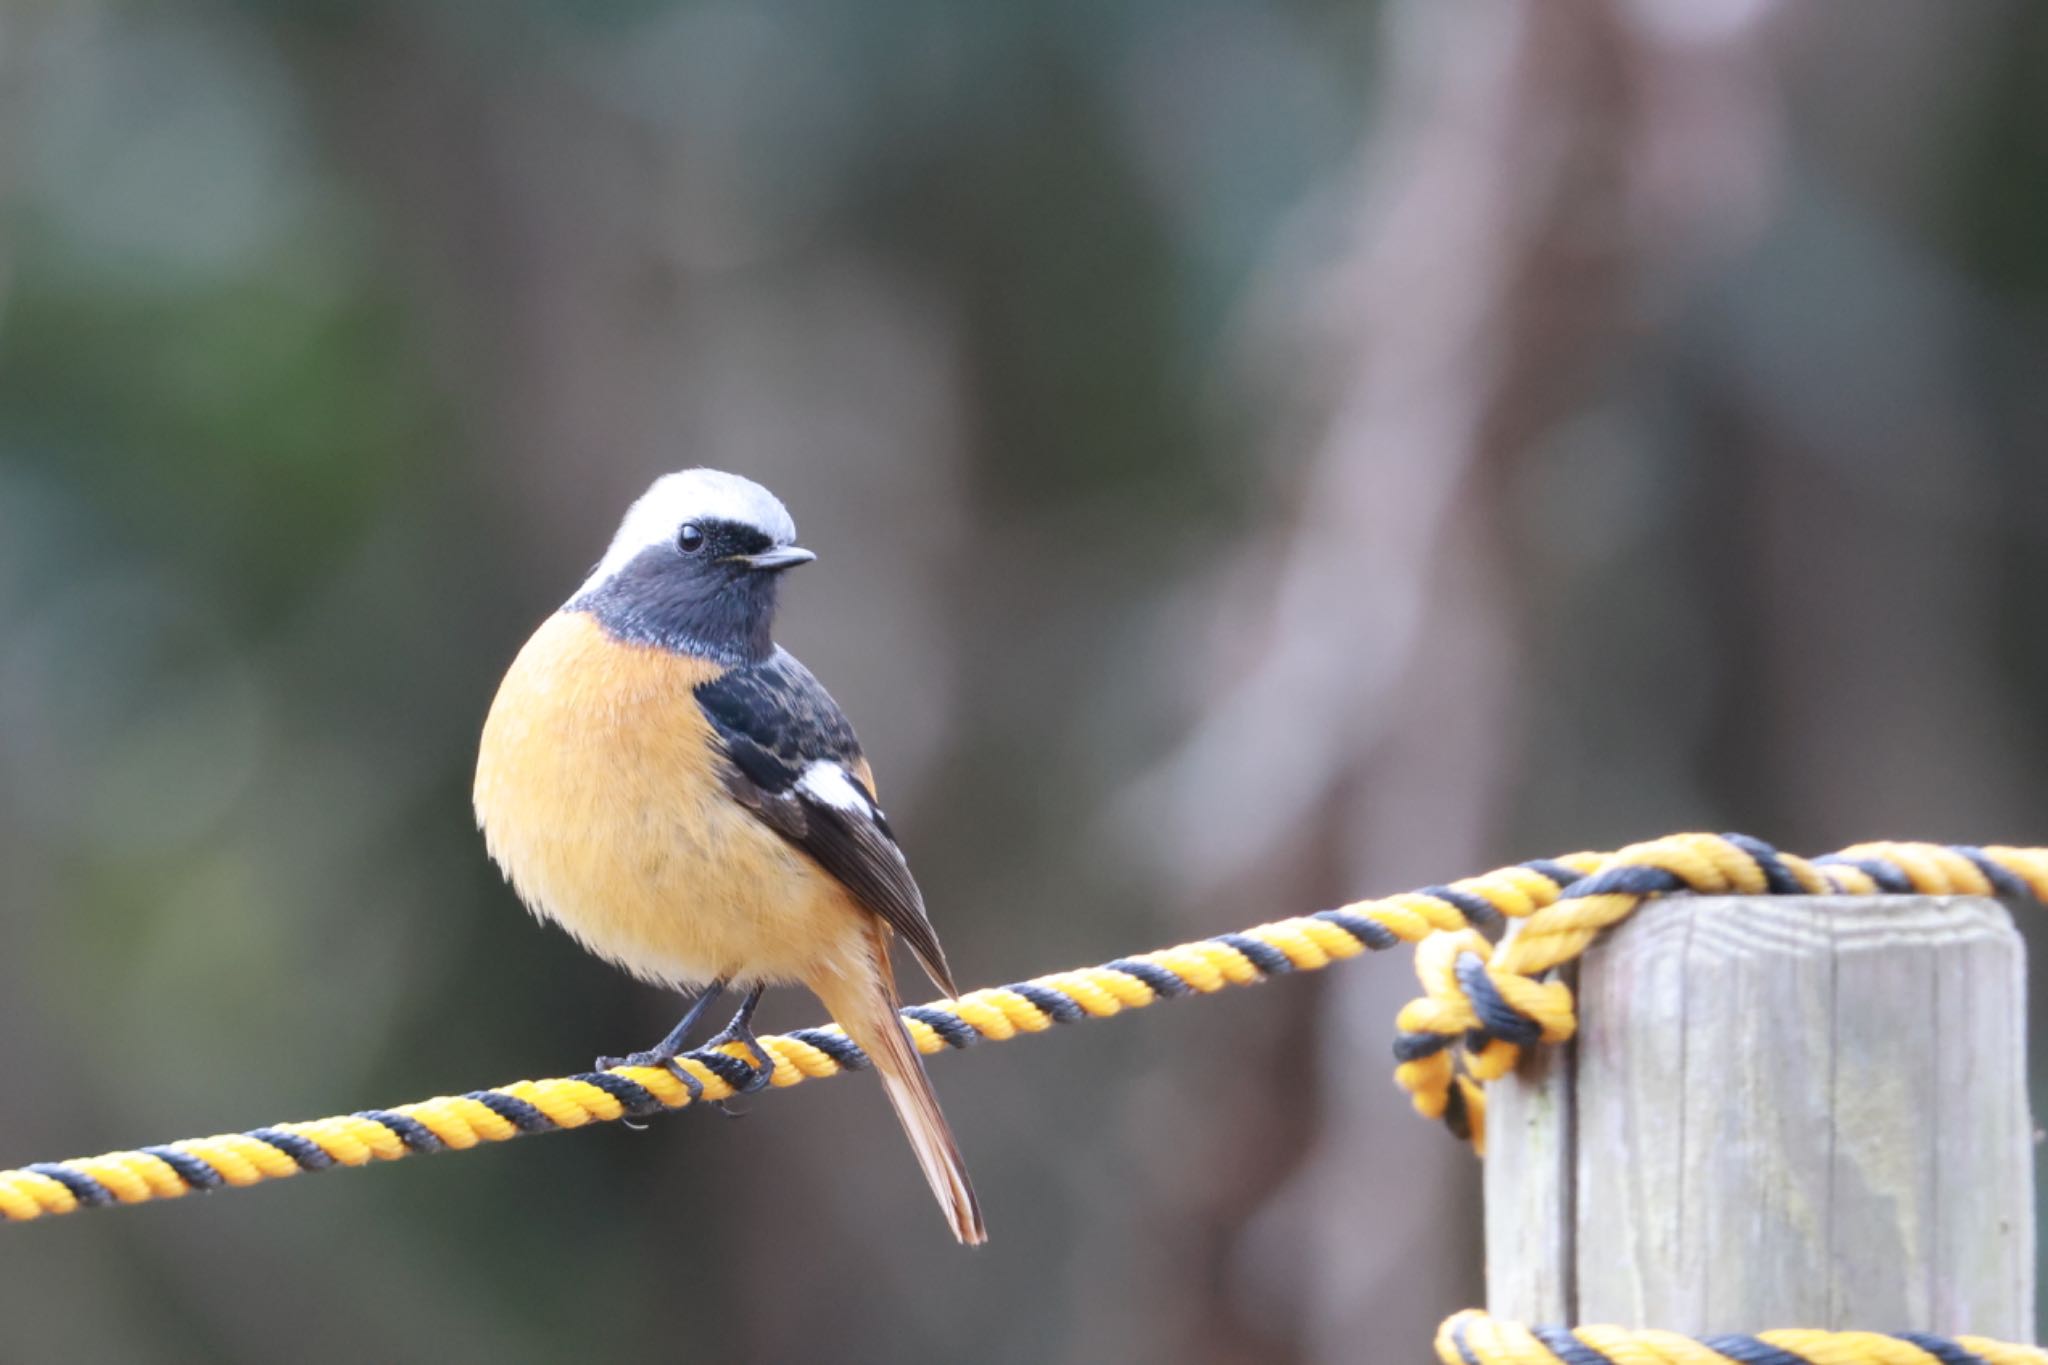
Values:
[(1263, 453)]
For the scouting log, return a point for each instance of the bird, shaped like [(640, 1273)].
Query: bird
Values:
[(661, 779)]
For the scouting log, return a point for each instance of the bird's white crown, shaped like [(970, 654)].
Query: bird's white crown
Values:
[(691, 495)]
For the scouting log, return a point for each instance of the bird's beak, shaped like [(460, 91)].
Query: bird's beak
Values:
[(777, 559)]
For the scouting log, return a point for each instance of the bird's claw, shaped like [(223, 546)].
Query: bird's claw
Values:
[(759, 1073), (672, 1064)]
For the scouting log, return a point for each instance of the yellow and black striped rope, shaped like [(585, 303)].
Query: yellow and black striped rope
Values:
[(1475, 1338), (1485, 999), (1307, 943), (1482, 1004)]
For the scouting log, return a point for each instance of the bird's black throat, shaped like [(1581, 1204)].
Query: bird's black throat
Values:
[(688, 604)]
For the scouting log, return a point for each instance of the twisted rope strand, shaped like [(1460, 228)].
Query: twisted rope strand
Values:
[(1485, 998)]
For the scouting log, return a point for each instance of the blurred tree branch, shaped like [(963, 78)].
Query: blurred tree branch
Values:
[(1523, 202)]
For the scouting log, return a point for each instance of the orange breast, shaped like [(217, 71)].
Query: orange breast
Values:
[(598, 791)]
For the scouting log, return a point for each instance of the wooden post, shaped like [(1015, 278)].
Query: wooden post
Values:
[(1779, 1112)]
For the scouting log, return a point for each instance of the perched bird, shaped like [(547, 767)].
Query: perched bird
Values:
[(665, 782)]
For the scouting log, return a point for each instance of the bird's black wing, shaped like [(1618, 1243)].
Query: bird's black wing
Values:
[(793, 760)]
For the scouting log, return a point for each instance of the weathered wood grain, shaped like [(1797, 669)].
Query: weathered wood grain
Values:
[(1779, 1111)]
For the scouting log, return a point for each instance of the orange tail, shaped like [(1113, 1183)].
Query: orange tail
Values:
[(865, 1007)]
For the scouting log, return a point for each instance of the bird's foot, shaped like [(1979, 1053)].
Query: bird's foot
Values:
[(759, 1074), (741, 1030), (665, 1053), (669, 1051), (670, 1062)]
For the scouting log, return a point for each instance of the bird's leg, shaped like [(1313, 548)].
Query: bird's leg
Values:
[(665, 1052), (741, 1030)]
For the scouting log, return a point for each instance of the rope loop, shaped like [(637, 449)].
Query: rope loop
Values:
[(1482, 1006)]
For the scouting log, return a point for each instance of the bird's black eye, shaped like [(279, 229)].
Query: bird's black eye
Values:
[(691, 538)]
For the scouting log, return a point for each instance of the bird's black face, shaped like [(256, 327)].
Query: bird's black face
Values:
[(708, 590)]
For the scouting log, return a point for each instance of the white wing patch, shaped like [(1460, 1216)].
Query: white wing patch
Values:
[(826, 782)]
